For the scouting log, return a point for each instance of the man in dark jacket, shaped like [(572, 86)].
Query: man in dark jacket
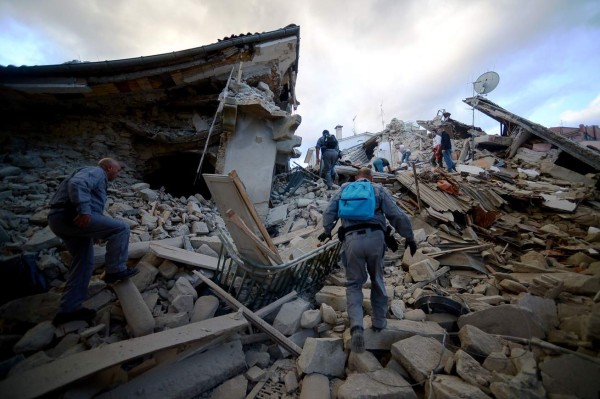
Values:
[(327, 145), (447, 151), (363, 249)]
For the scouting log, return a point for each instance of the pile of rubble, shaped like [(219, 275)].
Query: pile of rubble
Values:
[(500, 300)]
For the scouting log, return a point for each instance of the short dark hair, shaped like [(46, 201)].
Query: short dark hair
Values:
[(326, 132)]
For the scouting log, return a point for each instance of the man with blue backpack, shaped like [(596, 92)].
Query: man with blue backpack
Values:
[(363, 208), (328, 146)]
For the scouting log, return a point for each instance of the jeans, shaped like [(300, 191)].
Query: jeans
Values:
[(448, 158), (80, 243), (405, 156), (362, 254), (329, 160), (378, 165)]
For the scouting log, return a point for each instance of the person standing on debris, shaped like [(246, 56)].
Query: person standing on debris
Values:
[(404, 153), (436, 157), (380, 163), (327, 145), (446, 146), (363, 248), (76, 216)]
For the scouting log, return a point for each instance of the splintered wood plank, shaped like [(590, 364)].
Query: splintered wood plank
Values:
[(252, 237), (51, 376), (227, 196), (261, 227), (188, 257)]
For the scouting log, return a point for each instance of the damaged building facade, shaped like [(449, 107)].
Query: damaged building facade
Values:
[(229, 104)]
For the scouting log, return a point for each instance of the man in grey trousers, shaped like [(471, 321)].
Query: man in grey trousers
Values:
[(363, 249)]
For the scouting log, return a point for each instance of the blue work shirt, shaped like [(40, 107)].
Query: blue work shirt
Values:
[(86, 189)]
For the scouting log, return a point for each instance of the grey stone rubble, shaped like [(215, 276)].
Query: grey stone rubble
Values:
[(535, 296)]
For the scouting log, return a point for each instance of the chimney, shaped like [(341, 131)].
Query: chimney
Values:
[(338, 132)]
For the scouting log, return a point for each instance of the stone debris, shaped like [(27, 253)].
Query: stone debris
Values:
[(500, 300)]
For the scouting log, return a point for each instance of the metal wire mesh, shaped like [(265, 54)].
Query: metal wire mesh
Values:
[(256, 285)]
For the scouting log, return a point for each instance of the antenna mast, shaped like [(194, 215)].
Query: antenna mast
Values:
[(354, 125), (382, 123)]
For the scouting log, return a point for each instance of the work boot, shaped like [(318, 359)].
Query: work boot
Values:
[(80, 314), (357, 343), (379, 328), (110, 278)]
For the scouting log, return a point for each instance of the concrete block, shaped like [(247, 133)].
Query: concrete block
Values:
[(324, 356), (363, 362), (183, 304), (288, 319), (333, 296), (315, 386), (168, 269), (187, 378), (36, 338), (507, 319), (328, 314), (499, 363), (146, 275), (234, 388), (255, 374), (182, 287), (420, 355), (477, 342), (291, 381), (570, 375), (423, 270), (543, 309), (277, 215), (396, 330), (450, 387), (204, 308), (379, 384), (472, 372), (138, 316), (310, 318), (171, 320)]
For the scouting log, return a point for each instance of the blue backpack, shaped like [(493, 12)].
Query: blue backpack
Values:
[(357, 201)]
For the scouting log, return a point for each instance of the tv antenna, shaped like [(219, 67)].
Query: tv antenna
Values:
[(382, 122), (484, 85), (354, 124)]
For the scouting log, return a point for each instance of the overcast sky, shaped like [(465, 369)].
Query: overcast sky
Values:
[(373, 60)]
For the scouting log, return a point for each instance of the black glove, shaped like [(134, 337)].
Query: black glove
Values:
[(323, 236), (412, 245), (390, 241)]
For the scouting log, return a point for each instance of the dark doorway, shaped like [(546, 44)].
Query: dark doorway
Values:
[(176, 173)]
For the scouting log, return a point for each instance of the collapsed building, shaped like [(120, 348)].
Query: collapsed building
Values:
[(229, 104), (237, 298)]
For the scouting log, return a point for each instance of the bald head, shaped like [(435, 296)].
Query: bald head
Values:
[(110, 167), (365, 173)]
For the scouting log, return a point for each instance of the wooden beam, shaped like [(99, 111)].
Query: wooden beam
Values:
[(61, 372), (273, 306), (235, 219), (250, 205), (183, 256), (252, 317)]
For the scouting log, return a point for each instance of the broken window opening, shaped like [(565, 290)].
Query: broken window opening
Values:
[(176, 173)]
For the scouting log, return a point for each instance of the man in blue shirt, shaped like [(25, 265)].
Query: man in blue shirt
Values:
[(362, 252), (327, 145), (77, 217)]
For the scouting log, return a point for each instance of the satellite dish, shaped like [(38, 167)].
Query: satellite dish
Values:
[(486, 82)]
